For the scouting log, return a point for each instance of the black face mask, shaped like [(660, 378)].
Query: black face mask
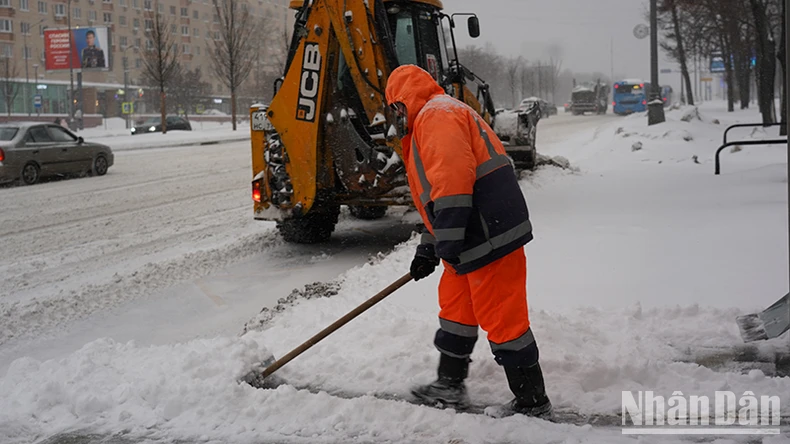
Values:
[(401, 119)]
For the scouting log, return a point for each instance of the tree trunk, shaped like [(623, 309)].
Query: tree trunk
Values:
[(743, 74), (729, 75), (741, 56), (766, 62), (684, 70), (782, 57), (163, 110), (233, 107)]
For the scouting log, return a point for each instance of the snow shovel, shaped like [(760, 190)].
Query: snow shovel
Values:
[(771, 323), (258, 379)]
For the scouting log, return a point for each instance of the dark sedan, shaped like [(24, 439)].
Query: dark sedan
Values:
[(154, 125), (32, 150)]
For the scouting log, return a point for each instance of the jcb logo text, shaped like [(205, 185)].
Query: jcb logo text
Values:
[(308, 87)]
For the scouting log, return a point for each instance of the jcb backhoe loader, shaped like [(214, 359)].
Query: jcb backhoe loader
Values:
[(327, 138)]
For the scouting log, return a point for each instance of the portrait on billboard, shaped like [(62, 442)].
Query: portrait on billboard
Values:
[(92, 47), (92, 54)]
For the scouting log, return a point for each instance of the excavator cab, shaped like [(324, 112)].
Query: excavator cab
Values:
[(327, 138), (422, 36), (418, 37)]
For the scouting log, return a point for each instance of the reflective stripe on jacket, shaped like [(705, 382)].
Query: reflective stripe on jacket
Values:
[(466, 188), (460, 177)]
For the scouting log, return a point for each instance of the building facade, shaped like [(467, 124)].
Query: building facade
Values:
[(36, 90)]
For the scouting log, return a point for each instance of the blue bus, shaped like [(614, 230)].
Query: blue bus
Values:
[(629, 96)]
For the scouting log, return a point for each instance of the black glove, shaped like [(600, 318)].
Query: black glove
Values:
[(424, 262)]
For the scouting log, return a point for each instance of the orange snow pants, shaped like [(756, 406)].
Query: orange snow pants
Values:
[(494, 298)]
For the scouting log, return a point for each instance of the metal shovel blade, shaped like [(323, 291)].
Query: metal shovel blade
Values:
[(771, 323)]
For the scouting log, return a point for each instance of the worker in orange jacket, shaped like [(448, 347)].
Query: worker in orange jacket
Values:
[(467, 193)]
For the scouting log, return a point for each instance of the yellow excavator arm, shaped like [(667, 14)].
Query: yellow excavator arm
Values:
[(327, 138)]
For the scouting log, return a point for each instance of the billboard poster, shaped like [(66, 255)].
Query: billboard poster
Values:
[(89, 49)]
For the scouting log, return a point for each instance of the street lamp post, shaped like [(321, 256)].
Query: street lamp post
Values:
[(27, 76), (655, 107), (35, 74), (126, 81), (71, 66)]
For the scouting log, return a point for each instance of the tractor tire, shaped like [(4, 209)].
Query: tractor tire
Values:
[(367, 213), (314, 227)]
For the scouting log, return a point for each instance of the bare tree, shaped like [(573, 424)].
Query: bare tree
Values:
[(269, 54), (766, 60), (277, 46), (782, 57), (677, 51), (161, 58), (8, 74), (513, 67), (555, 66), (527, 80), (232, 54), (187, 90)]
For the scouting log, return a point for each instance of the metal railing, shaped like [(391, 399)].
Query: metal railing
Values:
[(726, 144)]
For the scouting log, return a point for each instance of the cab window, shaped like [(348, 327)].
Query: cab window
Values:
[(405, 42)]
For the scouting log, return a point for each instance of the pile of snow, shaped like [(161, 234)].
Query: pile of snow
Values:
[(689, 135), (189, 391), (506, 124)]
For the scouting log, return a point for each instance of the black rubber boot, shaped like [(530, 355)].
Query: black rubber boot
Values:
[(528, 386), (449, 389)]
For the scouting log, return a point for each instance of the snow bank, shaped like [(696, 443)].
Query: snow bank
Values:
[(173, 139), (689, 136), (189, 391)]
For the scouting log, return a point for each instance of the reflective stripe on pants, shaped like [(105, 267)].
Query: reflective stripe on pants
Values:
[(493, 297)]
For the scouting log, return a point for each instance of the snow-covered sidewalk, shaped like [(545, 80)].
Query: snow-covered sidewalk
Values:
[(642, 258), (116, 136)]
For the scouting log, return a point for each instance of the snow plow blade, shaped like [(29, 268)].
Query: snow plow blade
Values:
[(771, 323), (263, 379)]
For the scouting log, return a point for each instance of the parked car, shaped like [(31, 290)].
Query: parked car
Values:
[(154, 125), (32, 150), (546, 109)]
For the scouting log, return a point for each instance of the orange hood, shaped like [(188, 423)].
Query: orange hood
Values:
[(412, 86)]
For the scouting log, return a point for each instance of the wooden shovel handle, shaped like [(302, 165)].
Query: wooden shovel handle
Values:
[(337, 324)]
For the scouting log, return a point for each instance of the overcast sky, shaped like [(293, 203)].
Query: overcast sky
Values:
[(578, 31)]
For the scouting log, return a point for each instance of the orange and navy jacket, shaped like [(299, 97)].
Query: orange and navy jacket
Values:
[(460, 177)]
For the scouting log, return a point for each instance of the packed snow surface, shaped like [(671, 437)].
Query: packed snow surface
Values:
[(640, 263)]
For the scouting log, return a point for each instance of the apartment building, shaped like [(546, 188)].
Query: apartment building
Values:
[(22, 49)]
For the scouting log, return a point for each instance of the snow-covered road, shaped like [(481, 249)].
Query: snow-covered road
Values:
[(100, 257)]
